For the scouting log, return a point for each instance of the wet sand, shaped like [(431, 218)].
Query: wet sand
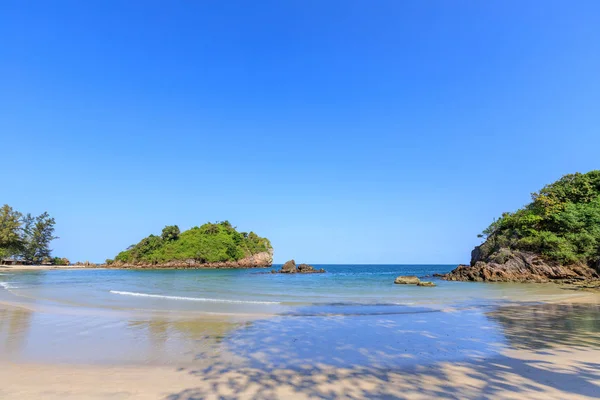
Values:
[(540, 350)]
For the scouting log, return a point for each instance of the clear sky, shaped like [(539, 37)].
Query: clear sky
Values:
[(344, 131)]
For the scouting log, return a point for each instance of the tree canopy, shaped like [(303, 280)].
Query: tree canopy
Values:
[(25, 237), (562, 222), (211, 242)]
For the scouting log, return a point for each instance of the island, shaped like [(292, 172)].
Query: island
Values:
[(212, 245), (556, 238)]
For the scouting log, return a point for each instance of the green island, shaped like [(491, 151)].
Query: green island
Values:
[(216, 244), (555, 236)]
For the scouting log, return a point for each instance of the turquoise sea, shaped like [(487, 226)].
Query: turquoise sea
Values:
[(353, 316), (343, 289)]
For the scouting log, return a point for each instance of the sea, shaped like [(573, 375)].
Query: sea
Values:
[(342, 289), (352, 315)]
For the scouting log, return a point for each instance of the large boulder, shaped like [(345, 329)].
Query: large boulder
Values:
[(289, 267), (407, 280)]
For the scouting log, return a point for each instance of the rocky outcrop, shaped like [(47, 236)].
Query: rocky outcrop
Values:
[(258, 260), (407, 280), (506, 265), (291, 268), (85, 264)]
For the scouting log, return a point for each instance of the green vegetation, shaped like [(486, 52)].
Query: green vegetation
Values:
[(60, 261), (562, 223), (208, 243), (24, 237)]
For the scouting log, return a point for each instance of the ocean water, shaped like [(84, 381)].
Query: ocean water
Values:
[(343, 289), (217, 320)]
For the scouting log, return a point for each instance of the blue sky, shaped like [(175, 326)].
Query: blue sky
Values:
[(345, 131)]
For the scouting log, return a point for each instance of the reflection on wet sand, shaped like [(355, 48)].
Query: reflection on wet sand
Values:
[(33, 336), (14, 325), (191, 339), (540, 326), (526, 351), (468, 354)]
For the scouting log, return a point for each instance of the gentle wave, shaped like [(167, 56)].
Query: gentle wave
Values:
[(158, 296), (7, 285)]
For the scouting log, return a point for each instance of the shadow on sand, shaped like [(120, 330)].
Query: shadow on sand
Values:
[(459, 354)]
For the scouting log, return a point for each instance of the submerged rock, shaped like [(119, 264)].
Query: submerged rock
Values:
[(426, 284), (407, 280)]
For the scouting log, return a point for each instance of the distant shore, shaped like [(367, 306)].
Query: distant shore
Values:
[(42, 267)]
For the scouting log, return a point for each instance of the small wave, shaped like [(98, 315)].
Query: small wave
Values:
[(158, 296), (7, 285)]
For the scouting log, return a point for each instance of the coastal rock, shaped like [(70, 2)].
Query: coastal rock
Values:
[(505, 265), (407, 280), (291, 268), (305, 268), (426, 284), (258, 260), (85, 264)]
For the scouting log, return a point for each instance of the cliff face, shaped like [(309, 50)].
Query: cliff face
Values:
[(506, 265), (259, 260)]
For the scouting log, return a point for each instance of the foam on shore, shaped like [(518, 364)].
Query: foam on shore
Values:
[(158, 296)]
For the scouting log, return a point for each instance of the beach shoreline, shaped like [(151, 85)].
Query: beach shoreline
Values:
[(44, 267), (540, 344)]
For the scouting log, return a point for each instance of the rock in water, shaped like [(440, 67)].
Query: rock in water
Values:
[(426, 284), (407, 280), (304, 268), (289, 267)]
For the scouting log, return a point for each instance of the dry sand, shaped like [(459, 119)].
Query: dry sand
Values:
[(562, 373)]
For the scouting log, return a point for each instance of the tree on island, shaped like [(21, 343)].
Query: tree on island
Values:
[(209, 243), (170, 233), (25, 237)]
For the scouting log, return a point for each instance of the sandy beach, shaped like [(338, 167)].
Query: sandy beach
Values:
[(560, 373), (42, 267), (537, 351)]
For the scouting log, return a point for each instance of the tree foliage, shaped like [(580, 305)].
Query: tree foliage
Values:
[(10, 231), (170, 232), (562, 223), (211, 242), (25, 237), (36, 244)]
